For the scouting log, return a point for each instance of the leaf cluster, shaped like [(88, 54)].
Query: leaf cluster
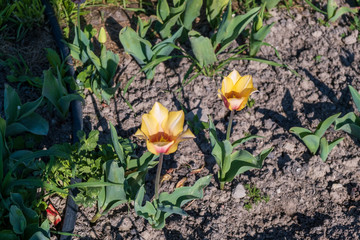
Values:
[(314, 140), (96, 72), (233, 163)]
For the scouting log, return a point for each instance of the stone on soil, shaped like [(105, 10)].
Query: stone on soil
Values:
[(239, 192)]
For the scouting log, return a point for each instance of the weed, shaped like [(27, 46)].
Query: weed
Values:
[(255, 196)]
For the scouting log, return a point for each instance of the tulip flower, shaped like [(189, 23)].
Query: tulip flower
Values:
[(236, 90), (163, 131)]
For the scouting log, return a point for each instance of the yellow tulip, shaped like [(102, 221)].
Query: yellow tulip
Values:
[(236, 90), (163, 130)]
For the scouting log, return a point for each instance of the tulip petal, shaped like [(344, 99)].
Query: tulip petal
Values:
[(235, 76), (186, 135), (174, 123), (140, 134), (237, 103), (243, 83), (159, 112), (225, 100), (160, 147), (227, 85), (149, 125), (173, 148)]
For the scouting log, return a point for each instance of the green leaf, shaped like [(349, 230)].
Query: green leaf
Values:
[(341, 11), (137, 47), (90, 143), (226, 158), (164, 48), (202, 49), (257, 38), (349, 123), (171, 20), (245, 139), (192, 11), (114, 195), (171, 209), (216, 145), (326, 148), (261, 157), (315, 8), (162, 10), (39, 236), (117, 146), (168, 203), (146, 211), (270, 3), (33, 123), (300, 132), (312, 142), (331, 8), (143, 26), (29, 108), (214, 9), (356, 97), (30, 215), (241, 161), (230, 28), (182, 195), (11, 104), (17, 219), (324, 125)]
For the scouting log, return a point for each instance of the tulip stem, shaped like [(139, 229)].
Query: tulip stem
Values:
[(158, 173), (229, 125)]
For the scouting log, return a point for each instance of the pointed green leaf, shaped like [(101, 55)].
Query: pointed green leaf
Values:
[(174, 16), (11, 104), (192, 11), (331, 8), (145, 211), (182, 195), (356, 97), (64, 103), (341, 11), (230, 28), (115, 195), (137, 47), (162, 10), (226, 158), (29, 107), (241, 161), (17, 219), (171, 209), (326, 148), (216, 145), (34, 124), (244, 140), (117, 146), (214, 9), (312, 142), (300, 132), (324, 125), (202, 49)]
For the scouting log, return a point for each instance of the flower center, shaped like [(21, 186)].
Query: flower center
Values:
[(160, 138), (233, 94)]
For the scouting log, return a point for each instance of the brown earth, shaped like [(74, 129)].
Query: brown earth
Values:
[(308, 199)]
